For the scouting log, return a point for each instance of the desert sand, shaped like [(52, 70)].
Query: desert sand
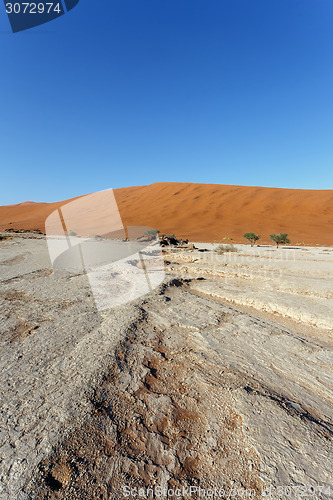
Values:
[(220, 377), (207, 212)]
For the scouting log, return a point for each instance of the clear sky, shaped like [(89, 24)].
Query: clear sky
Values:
[(128, 92)]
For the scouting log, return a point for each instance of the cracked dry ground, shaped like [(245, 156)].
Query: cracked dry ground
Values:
[(175, 390), (163, 415)]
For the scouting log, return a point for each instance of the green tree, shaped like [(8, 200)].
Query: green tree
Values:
[(280, 239), (252, 238)]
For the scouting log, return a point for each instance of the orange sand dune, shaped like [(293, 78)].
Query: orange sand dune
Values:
[(207, 212)]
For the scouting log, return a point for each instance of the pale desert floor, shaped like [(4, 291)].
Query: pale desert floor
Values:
[(221, 377)]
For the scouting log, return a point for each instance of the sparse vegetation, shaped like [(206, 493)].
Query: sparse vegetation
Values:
[(280, 239), (152, 232), (72, 233), (252, 238), (12, 230), (225, 249)]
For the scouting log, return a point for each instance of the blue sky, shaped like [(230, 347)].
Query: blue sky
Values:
[(129, 92)]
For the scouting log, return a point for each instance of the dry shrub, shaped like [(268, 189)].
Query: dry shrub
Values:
[(225, 248)]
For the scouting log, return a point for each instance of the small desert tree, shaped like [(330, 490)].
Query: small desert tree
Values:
[(252, 238), (280, 239)]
